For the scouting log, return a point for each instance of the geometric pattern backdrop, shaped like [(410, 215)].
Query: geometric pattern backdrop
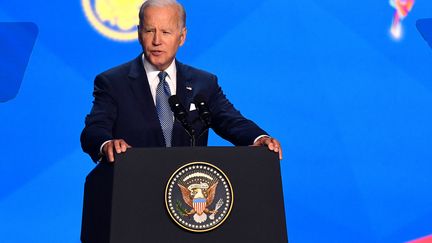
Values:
[(351, 106)]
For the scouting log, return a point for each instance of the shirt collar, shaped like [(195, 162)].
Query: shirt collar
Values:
[(153, 79), (152, 71)]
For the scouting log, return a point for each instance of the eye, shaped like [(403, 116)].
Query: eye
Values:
[(149, 30)]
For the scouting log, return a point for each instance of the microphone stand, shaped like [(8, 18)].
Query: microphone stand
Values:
[(203, 112), (188, 129), (191, 133), (206, 128), (180, 115)]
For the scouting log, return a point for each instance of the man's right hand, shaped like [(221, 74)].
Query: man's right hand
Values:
[(119, 145)]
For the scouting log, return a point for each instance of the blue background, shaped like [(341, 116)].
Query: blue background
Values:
[(351, 107)]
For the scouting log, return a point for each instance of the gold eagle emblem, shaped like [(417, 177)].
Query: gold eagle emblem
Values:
[(199, 196)]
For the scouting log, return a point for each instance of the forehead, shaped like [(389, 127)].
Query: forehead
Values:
[(161, 16)]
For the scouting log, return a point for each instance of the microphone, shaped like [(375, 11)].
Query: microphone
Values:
[(203, 110), (181, 115)]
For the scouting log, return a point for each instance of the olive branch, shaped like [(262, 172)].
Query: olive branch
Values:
[(180, 208)]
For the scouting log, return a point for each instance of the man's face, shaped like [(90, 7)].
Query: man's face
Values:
[(160, 35)]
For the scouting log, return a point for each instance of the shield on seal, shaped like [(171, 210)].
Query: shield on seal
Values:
[(199, 204)]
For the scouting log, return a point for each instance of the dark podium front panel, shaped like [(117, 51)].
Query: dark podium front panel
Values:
[(125, 201)]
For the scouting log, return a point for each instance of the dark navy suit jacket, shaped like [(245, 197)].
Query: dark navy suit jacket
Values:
[(123, 107)]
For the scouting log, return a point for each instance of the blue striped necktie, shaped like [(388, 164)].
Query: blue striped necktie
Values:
[(163, 108)]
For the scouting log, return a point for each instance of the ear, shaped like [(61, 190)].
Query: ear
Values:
[(139, 35), (183, 36)]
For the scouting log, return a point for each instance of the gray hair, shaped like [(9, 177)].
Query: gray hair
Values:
[(163, 3)]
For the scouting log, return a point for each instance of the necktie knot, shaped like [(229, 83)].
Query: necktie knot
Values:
[(162, 75), (163, 84)]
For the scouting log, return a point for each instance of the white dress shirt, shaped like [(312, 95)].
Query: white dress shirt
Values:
[(153, 79)]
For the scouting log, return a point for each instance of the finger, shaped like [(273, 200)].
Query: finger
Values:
[(117, 146), (276, 145), (270, 145), (109, 151), (279, 148), (123, 146)]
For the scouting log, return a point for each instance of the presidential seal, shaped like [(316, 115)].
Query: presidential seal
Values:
[(199, 197), (115, 19)]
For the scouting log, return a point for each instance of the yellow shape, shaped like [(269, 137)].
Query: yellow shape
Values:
[(115, 19)]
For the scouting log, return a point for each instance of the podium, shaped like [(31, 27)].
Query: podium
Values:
[(125, 201)]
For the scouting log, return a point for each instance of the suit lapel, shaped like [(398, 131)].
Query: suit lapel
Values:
[(141, 89), (184, 86)]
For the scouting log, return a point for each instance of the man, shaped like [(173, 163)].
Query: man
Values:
[(130, 106)]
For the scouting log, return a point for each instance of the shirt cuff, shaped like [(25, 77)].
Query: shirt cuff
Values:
[(101, 153), (260, 136)]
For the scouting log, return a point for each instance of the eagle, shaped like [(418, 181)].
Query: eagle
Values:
[(199, 197)]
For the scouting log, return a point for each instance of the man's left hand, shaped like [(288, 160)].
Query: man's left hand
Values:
[(271, 143)]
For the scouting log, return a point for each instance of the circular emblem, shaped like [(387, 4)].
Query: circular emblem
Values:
[(115, 19), (199, 197)]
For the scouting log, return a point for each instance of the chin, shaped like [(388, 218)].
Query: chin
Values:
[(157, 63)]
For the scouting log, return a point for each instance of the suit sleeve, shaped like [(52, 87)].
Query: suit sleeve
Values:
[(228, 122), (99, 123)]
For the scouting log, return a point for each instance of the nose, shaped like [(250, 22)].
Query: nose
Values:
[(156, 38)]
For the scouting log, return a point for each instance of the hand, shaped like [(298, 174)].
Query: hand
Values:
[(119, 145), (271, 143)]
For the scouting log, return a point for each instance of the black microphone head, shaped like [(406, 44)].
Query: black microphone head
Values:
[(200, 100), (173, 101), (203, 109), (180, 114), (176, 107), (201, 104)]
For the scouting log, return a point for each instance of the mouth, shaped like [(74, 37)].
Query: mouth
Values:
[(156, 53)]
